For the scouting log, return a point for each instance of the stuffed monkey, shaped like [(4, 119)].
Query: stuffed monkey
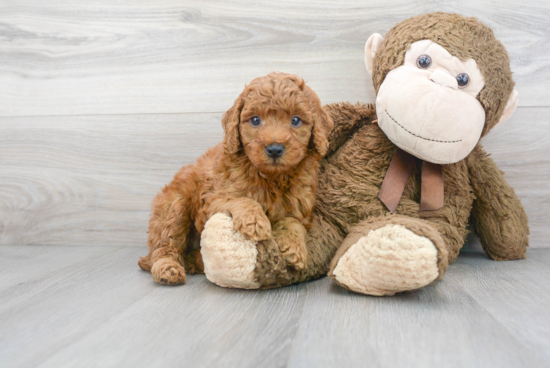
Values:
[(402, 178)]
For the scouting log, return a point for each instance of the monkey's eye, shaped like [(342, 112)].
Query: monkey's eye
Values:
[(424, 61), (255, 121), (463, 80), (296, 122)]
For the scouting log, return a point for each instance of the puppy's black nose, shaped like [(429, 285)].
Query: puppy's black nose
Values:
[(275, 150)]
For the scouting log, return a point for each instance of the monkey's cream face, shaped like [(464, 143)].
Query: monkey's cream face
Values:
[(428, 106)]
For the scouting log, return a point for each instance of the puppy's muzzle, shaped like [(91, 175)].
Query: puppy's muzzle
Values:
[(275, 150)]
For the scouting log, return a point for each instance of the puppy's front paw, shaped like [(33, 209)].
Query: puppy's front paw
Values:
[(294, 251), (253, 224), (167, 271)]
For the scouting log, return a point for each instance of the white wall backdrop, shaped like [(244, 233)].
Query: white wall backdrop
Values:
[(102, 101)]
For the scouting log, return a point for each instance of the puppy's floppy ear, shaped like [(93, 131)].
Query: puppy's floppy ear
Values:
[(322, 124), (230, 122)]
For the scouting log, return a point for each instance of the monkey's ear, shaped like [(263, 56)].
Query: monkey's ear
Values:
[(371, 47), (510, 107)]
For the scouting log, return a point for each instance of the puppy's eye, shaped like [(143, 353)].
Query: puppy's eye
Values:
[(424, 61), (463, 80), (296, 122), (255, 121)]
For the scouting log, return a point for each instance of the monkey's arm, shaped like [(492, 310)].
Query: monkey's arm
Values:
[(498, 216), (347, 118)]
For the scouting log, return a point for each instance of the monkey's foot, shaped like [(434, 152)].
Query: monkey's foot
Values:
[(229, 257), (388, 260)]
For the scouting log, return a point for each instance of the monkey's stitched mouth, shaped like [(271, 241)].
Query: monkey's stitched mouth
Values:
[(416, 135)]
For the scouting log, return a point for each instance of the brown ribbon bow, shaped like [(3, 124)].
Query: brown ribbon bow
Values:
[(431, 195)]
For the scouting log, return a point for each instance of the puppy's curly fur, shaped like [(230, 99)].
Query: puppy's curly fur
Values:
[(240, 178)]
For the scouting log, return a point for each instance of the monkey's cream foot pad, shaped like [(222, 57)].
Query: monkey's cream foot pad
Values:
[(386, 261), (229, 257)]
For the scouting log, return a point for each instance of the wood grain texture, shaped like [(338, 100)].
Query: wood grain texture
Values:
[(521, 148), (90, 180), (101, 102), (96, 308), (66, 57), (452, 323)]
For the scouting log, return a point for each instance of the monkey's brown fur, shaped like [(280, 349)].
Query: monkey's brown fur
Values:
[(360, 153), (237, 177)]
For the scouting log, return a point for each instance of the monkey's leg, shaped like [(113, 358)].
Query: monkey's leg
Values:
[(233, 260), (390, 254), (169, 228)]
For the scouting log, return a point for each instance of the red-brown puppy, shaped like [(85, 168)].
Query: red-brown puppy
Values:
[(263, 174)]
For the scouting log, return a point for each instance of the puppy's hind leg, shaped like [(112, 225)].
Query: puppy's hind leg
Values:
[(169, 228)]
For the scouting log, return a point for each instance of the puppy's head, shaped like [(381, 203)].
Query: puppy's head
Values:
[(277, 121)]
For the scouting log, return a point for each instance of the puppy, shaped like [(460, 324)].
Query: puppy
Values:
[(263, 174)]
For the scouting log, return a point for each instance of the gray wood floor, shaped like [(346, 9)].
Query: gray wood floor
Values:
[(68, 306), (102, 101)]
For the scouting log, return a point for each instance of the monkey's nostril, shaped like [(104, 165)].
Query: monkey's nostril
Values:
[(275, 150)]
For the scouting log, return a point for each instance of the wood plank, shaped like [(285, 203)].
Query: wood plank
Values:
[(104, 311), (200, 325), (521, 286), (521, 148), (107, 312), (89, 180), (39, 263), (75, 58), (442, 325), (56, 310)]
